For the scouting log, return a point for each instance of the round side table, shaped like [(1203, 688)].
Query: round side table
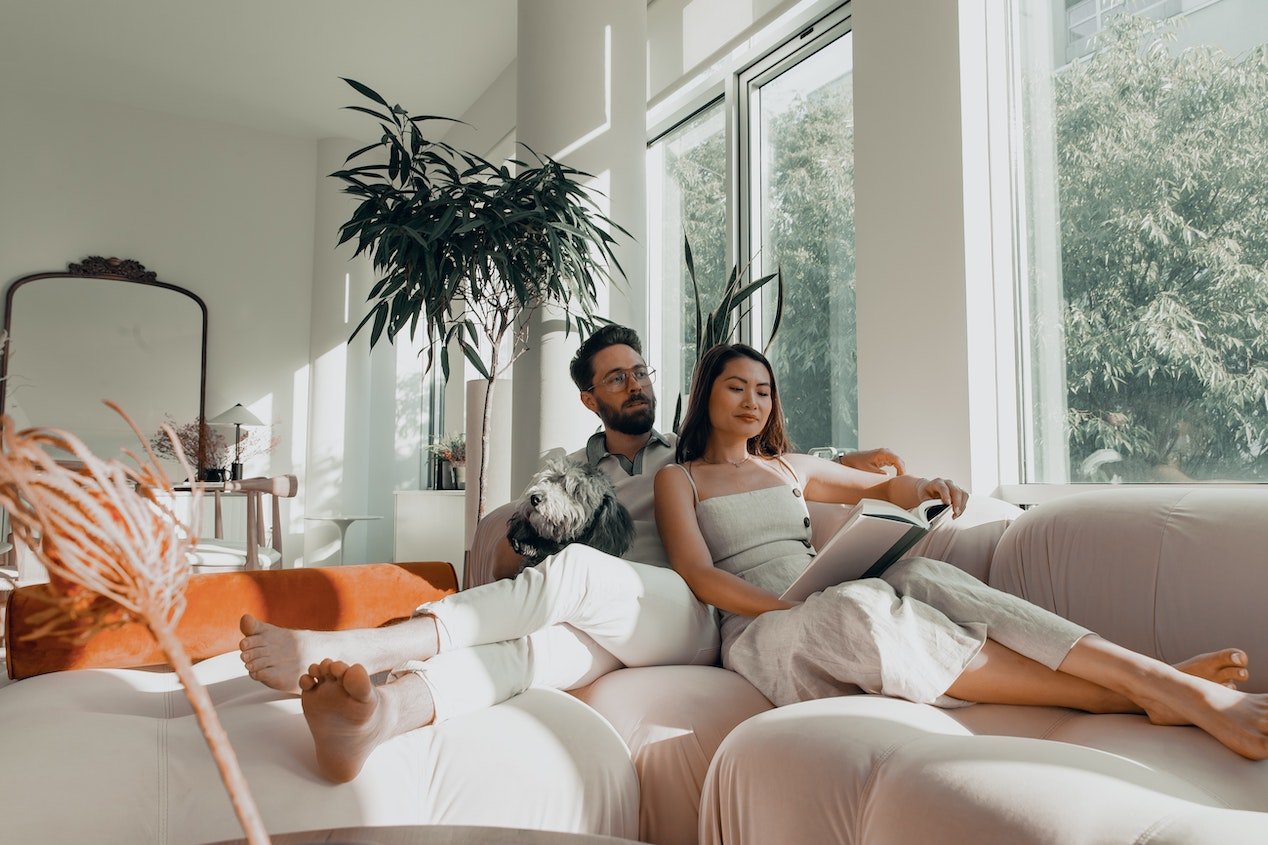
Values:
[(342, 521)]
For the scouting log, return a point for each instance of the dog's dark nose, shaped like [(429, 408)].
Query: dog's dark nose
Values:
[(535, 500)]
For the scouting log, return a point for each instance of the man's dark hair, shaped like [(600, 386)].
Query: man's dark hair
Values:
[(582, 366)]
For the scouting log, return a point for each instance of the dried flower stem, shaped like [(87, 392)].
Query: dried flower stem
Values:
[(217, 740)]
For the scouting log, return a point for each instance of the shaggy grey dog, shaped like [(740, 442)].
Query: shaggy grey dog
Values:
[(569, 502)]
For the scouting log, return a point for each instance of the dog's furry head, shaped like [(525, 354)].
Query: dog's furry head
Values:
[(569, 502)]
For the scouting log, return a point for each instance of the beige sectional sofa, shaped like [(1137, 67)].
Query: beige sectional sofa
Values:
[(682, 754)]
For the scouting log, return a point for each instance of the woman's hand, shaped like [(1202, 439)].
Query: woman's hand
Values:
[(872, 460), (944, 490)]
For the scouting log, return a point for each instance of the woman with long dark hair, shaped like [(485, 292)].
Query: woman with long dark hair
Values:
[(733, 517)]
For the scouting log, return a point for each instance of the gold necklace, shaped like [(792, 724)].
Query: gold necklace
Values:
[(737, 464)]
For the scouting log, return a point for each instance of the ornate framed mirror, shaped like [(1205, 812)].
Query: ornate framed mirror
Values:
[(105, 328)]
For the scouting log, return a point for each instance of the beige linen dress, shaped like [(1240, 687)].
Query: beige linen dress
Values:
[(909, 634)]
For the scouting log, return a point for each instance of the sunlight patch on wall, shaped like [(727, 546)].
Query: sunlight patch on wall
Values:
[(299, 452), (598, 131), (328, 428), (708, 24)]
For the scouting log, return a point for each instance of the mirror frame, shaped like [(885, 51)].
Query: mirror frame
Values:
[(128, 271)]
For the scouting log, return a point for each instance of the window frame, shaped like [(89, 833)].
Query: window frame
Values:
[(786, 43), (1010, 219)]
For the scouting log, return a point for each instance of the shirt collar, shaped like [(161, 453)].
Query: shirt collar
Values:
[(597, 448)]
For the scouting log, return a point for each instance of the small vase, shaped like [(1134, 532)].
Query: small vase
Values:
[(213, 475), (459, 477)]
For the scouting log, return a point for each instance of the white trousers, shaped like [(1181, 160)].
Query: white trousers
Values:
[(575, 616)]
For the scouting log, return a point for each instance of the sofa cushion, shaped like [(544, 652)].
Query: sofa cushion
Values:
[(327, 598), (672, 719), (909, 773), (121, 749)]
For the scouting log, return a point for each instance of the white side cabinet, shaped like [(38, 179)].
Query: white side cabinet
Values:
[(429, 526)]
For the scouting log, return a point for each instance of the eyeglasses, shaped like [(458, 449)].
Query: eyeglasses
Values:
[(616, 382)]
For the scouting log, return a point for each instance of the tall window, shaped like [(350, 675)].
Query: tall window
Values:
[(777, 150), (801, 220), (687, 172), (1146, 223)]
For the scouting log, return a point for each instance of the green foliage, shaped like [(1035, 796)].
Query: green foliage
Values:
[(468, 249), (464, 246), (700, 174), (718, 325), (1163, 195), (809, 219)]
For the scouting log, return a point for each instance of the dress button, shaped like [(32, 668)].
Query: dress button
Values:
[(797, 492), (806, 522)]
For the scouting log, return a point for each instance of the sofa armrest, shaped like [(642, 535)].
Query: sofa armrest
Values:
[(325, 598), (1166, 572), (486, 543)]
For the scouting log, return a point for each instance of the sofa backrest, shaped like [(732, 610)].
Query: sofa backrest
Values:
[(320, 598), (1168, 572)]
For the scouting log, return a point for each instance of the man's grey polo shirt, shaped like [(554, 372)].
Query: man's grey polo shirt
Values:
[(634, 488)]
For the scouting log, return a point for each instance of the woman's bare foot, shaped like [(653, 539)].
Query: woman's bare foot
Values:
[(349, 717), (276, 657), (1226, 666), (1238, 720)]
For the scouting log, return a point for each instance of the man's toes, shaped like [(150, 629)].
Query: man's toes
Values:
[(249, 625), (356, 681), (307, 682), (337, 668)]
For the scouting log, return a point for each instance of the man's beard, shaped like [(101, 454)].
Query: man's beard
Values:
[(629, 420)]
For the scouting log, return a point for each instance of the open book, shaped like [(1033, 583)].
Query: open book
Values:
[(871, 537)]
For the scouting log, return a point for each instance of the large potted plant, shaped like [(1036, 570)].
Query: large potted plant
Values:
[(467, 250)]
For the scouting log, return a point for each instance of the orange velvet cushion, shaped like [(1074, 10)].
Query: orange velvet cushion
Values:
[(326, 599)]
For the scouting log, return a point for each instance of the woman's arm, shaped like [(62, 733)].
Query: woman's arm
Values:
[(689, 555), (827, 481)]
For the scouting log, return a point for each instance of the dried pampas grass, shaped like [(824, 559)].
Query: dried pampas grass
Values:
[(115, 552)]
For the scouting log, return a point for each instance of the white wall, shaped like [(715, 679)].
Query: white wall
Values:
[(223, 211)]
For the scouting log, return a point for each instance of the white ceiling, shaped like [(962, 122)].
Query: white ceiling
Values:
[(272, 65)]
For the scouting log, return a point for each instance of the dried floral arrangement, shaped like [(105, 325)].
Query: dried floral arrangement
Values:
[(115, 552), (451, 447), (217, 447)]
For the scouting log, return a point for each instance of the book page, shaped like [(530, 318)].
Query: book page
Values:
[(871, 533)]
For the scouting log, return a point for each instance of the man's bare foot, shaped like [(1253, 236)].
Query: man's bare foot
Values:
[(276, 657), (345, 716)]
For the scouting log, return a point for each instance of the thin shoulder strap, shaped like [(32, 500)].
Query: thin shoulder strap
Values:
[(791, 471), (687, 472)]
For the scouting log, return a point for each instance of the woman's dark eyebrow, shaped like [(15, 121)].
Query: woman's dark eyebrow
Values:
[(741, 378)]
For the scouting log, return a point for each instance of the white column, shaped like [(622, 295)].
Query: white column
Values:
[(581, 98), (925, 345)]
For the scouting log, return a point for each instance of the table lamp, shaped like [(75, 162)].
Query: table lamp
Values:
[(238, 416)]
